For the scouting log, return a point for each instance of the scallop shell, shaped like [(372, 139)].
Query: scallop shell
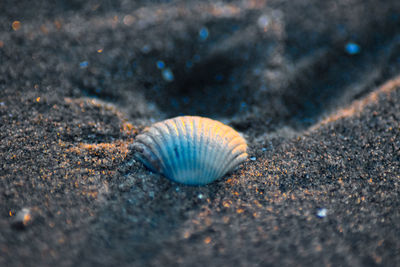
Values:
[(190, 150)]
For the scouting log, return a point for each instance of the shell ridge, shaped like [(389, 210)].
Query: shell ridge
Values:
[(190, 149), (177, 149), (217, 151), (212, 148), (189, 143), (229, 154), (147, 156), (193, 143), (236, 152), (238, 160), (158, 145), (195, 146), (148, 142), (174, 136), (164, 147), (221, 150), (182, 150), (224, 151), (190, 174), (216, 141), (201, 148), (206, 152), (168, 139)]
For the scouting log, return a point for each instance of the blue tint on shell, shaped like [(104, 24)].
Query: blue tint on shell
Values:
[(190, 150)]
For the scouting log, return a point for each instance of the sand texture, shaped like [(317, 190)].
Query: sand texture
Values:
[(314, 87)]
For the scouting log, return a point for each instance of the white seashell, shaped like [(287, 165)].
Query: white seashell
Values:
[(191, 150)]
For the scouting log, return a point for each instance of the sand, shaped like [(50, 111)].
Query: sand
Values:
[(314, 87)]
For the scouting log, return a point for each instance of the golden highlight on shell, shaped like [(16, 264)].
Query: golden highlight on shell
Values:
[(190, 150)]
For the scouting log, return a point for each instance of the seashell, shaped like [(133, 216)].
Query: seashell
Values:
[(190, 150)]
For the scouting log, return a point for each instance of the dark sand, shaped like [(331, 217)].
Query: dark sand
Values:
[(313, 85)]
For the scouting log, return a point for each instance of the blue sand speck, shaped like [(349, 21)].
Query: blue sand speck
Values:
[(352, 48), (203, 34), (83, 64), (167, 75), (160, 64)]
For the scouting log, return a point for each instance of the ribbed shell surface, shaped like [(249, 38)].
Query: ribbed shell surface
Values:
[(191, 150)]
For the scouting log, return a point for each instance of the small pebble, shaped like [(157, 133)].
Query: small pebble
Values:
[(321, 213), (253, 158), (22, 219)]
